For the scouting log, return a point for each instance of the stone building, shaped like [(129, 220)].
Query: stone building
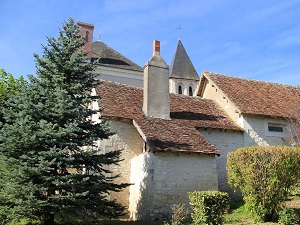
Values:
[(165, 155), (177, 141)]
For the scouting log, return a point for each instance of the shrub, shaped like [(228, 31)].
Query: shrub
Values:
[(265, 175), (288, 216), (209, 206), (180, 214)]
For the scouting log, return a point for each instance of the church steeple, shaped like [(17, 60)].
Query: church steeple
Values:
[(183, 75)]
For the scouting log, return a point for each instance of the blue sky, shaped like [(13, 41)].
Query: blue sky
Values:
[(254, 39)]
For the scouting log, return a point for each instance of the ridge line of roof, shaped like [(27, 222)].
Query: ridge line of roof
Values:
[(118, 54), (248, 79), (121, 84)]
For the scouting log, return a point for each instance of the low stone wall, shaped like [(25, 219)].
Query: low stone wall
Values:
[(163, 179)]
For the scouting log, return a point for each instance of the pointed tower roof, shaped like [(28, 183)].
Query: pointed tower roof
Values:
[(110, 57), (181, 66)]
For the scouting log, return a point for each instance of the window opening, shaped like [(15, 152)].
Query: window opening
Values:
[(190, 91), (272, 127), (180, 90)]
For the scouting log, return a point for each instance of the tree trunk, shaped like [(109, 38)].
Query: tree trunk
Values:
[(49, 219)]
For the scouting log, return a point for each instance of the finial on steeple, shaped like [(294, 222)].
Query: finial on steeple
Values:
[(179, 28)]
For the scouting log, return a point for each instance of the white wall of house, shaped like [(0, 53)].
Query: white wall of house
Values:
[(257, 132), (214, 93), (225, 141), (158, 180), (129, 77), (163, 179), (128, 140)]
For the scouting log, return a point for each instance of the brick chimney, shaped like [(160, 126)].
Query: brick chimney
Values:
[(87, 31), (156, 86)]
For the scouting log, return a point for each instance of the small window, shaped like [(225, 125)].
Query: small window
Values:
[(273, 127), (180, 90), (87, 37), (190, 91)]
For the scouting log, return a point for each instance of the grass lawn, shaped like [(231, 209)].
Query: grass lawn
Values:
[(236, 216)]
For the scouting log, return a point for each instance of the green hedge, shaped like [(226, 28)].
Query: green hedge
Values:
[(208, 207), (266, 175)]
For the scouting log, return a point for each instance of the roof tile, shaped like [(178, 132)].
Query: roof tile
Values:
[(258, 97), (177, 134)]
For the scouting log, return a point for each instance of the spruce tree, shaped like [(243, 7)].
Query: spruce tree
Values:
[(49, 139)]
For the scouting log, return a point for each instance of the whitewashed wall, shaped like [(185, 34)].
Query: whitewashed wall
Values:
[(185, 84), (163, 179), (256, 132), (225, 141), (128, 140)]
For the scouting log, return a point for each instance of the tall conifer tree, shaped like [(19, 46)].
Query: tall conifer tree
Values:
[(49, 139)]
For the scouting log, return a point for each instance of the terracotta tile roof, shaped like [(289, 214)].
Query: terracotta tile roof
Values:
[(177, 134), (257, 97)]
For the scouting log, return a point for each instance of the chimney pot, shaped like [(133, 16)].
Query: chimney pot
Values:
[(156, 47)]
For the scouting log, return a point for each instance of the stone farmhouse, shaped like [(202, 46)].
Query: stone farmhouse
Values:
[(175, 128)]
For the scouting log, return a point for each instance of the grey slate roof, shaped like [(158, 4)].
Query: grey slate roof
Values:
[(110, 57), (181, 66)]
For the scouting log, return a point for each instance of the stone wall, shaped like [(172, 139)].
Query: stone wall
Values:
[(185, 84), (128, 140), (158, 180), (256, 131), (225, 141), (163, 179)]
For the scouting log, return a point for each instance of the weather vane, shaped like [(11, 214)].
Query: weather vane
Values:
[(179, 28)]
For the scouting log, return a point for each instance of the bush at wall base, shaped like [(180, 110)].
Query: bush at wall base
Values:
[(208, 207)]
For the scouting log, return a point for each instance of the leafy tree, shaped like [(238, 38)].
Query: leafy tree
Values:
[(265, 175), (49, 140), (8, 86)]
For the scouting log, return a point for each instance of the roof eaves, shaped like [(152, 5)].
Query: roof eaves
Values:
[(123, 68)]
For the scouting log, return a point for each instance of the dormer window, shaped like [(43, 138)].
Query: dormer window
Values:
[(179, 89), (190, 91)]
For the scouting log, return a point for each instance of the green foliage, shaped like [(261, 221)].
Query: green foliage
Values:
[(49, 162), (208, 207), (288, 216), (8, 86), (265, 175), (180, 214)]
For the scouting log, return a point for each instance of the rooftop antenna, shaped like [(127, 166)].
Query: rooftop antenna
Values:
[(179, 28), (99, 37)]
